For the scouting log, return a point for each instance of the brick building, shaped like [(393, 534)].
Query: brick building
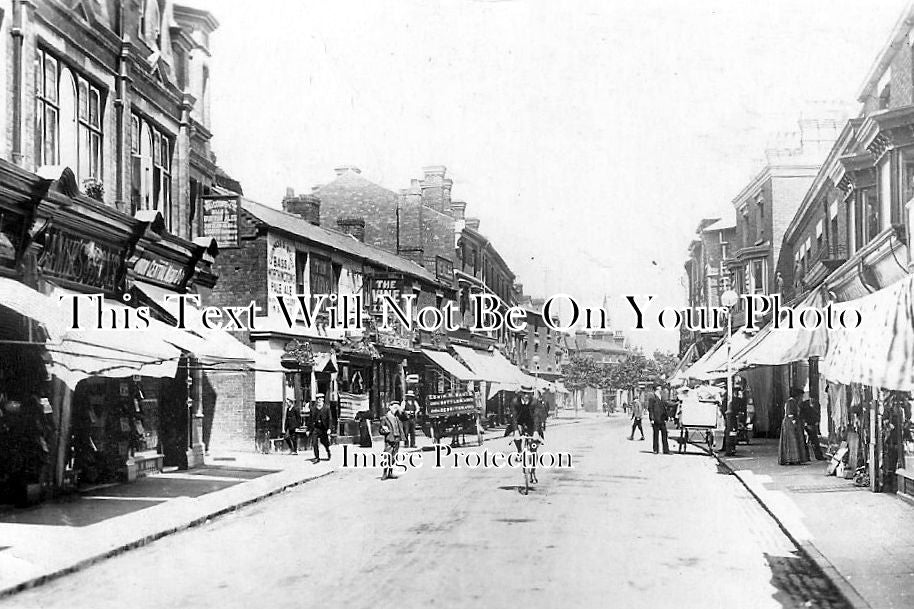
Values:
[(104, 151), (266, 254)]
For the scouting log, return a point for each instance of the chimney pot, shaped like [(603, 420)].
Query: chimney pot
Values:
[(346, 169)]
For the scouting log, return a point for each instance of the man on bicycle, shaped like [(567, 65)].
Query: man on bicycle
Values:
[(526, 423)]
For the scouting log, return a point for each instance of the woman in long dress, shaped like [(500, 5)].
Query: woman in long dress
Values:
[(792, 449)]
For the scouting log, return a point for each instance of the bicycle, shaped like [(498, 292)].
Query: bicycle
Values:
[(529, 445)]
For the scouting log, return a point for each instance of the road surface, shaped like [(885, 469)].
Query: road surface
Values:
[(623, 528)]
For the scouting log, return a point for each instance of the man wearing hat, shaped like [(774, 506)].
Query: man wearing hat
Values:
[(320, 425), (392, 431), (524, 423), (408, 418)]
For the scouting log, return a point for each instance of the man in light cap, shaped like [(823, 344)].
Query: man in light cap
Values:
[(320, 425), (392, 431)]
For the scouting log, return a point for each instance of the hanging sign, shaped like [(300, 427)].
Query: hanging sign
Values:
[(220, 221)]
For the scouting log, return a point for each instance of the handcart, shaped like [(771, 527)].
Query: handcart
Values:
[(697, 417)]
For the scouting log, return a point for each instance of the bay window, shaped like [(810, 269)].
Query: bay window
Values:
[(68, 118)]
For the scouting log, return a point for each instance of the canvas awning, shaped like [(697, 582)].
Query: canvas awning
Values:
[(89, 351), (450, 365), (698, 369), (30, 303), (772, 347), (494, 367), (212, 346), (880, 352), (714, 364)]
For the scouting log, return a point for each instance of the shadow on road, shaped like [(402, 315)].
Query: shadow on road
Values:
[(796, 578)]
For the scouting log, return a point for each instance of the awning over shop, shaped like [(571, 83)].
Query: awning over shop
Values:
[(772, 347), (209, 345), (450, 365), (89, 351), (493, 367), (30, 303), (880, 352), (677, 377), (714, 363), (560, 387)]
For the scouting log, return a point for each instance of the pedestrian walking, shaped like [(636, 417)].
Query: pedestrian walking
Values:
[(293, 422), (792, 446), (637, 412), (320, 426), (408, 416), (364, 430), (480, 405), (392, 431), (656, 410), (809, 413)]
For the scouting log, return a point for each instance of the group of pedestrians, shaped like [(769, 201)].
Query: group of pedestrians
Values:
[(656, 408), (317, 430), (799, 429)]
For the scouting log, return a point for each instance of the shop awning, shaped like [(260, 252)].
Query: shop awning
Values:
[(211, 346), (880, 352), (450, 365), (698, 369), (714, 364), (30, 303), (89, 351), (772, 347), (678, 377)]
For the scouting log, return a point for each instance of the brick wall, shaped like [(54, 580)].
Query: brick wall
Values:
[(228, 410), (352, 196), (787, 195)]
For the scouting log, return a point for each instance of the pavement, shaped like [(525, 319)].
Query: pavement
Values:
[(861, 540), (623, 527), (58, 537)]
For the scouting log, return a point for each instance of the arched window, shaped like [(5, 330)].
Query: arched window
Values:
[(68, 118), (152, 149)]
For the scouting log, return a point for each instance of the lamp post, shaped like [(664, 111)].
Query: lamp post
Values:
[(729, 299)]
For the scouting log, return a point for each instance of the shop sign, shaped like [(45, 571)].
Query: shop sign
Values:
[(280, 271), (220, 221), (80, 260), (389, 339), (384, 285), (160, 270), (448, 405)]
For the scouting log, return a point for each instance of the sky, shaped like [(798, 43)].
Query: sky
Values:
[(590, 137)]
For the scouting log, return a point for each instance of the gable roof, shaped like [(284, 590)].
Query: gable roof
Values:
[(299, 228)]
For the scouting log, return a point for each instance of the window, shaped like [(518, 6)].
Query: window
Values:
[(885, 97), (906, 172), (820, 235), (871, 214), (833, 238), (760, 229), (151, 23), (321, 276), (301, 278), (68, 121), (151, 150), (745, 227), (757, 277)]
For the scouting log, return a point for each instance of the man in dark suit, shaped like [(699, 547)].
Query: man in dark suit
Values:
[(320, 426), (293, 422), (392, 431), (656, 410)]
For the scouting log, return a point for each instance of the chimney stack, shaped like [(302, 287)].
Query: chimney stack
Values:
[(459, 209), (354, 227), (473, 223), (306, 206), (433, 187)]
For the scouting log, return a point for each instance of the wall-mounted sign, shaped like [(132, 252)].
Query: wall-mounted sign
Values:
[(384, 285), (220, 221), (162, 271), (397, 341), (449, 405), (81, 260), (280, 271)]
